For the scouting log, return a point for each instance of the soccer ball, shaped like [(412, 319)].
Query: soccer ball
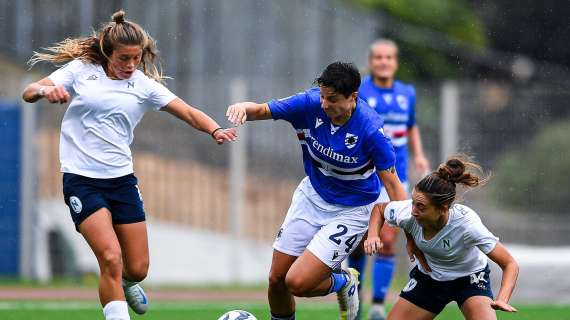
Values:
[(237, 315)]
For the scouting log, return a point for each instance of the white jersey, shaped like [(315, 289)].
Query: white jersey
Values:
[(457, 250), (98, 126)]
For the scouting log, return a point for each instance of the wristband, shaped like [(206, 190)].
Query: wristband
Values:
[(213, 132)]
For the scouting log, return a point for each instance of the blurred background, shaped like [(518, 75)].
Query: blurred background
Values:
[(492, 79)]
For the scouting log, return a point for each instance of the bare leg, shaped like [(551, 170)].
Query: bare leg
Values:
[(281, 301), (478, 308), (98, 231), (308, 276), (405, 310), (134, 244)]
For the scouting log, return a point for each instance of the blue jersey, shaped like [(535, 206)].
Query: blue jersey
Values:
[(397, 106), (340, 161)]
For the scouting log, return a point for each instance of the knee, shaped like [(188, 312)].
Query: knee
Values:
[(111, 262), (276, 280), (296, 285), (137, 271)]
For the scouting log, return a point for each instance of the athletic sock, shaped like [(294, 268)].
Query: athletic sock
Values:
[(359, 264), (116, 310), (278, 317), (382, 277), (338, 280)]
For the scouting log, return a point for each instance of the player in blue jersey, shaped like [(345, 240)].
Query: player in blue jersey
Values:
[(345, 155), (395, 101)]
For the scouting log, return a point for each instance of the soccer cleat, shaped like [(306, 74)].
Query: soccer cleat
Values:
[(347, 297), (376, 312), (136, 298)]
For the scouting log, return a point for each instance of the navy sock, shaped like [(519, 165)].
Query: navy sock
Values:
[(279, 317)]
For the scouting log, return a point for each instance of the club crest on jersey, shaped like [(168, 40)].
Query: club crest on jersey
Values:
[(92, 77), (402, 101), (387, 98), (318, 122), (372, 102), (350, 140)]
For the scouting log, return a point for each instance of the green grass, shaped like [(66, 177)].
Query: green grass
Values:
[(20, 310)]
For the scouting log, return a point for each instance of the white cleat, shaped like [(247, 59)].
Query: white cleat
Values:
[(348, 296), (136, 298)]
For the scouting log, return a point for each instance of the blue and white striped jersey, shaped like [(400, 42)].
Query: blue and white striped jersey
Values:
[(340, 161)]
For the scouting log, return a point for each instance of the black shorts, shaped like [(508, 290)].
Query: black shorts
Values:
[(120, 195), (433, 295)]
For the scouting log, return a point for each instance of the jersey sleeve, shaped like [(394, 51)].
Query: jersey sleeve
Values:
[(291, 109), (381, 150), (412, 108), (478, 235), (399, 214), (158, 95), (65, 76)]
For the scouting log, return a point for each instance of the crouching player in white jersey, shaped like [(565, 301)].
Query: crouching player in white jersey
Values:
[(456, 245), (109, 95), (344, 152)]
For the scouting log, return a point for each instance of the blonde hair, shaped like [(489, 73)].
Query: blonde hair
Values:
[(98, 47)]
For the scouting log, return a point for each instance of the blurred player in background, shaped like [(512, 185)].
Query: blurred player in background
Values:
[(395, 101), (456, 245), (345, 155), (109, 96)]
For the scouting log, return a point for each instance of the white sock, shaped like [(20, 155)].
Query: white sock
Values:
[(128, 283), (116, 310)]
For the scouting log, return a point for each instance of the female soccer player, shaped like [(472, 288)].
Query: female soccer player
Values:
[(344, 152), (456, 245), (395, 101), (109, 95)]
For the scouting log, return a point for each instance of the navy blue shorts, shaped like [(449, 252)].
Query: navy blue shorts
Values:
[(433, 295), (121, 196)]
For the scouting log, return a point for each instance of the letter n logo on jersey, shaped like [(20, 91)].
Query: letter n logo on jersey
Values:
[(446, 243), (130, 84)]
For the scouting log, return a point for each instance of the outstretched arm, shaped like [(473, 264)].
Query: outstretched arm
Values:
[(239, 113), (45, 88), (199, 120), (503, 258)]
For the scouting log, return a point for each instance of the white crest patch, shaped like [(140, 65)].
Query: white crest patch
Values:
[(350, 140), (372, 102), (75, 204)]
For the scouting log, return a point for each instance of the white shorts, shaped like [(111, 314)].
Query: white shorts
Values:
[(330, 232), (384, 195)]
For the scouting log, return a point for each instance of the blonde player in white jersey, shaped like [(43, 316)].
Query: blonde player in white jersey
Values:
[(109, 95), (456, 245)]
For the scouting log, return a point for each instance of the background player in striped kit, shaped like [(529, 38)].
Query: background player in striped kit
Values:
[(109, 96), (456, 245), (395, 101), (344, 154)]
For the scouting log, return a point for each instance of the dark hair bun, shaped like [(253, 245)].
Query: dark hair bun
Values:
[(454, 170), (118, 17)]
